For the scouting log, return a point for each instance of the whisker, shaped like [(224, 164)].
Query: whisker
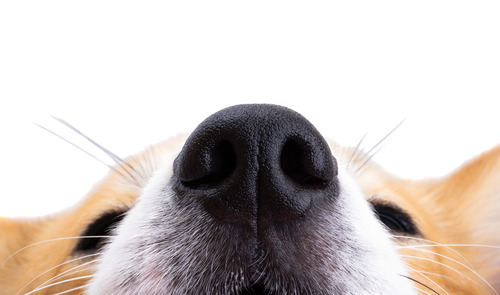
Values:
[(76, 146), (446, 257), (41, 286), (130, 171), (51, 240), (60, 283), (450, 245), (355, 151), (110, 154), (370, 154), (433, 274), (455, 270), (79, 268), (386, 136), (71, 290), (423, 291), (118, 160), (52, 268), (459, 263), (432, 281), (368, 159), (421, 284), (435, 244)]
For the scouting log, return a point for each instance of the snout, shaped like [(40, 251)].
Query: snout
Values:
[(254, 203), (256, 165)]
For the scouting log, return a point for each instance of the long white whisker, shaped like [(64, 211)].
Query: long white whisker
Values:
[(423, 291), (59, 283), (444, 256), (61, 264), (369, 153), (75, 145), (73, 270), (434, 274), (450, 245), (129, 171), (110, 154), (386, 136), (459, 263), (51, 240), (449, 267), (432, 281), (436, 244), (355, 152), (71, 290)]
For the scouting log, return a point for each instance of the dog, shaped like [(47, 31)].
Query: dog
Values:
[(256, 201)]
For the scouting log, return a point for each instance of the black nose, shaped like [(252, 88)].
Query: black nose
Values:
[(256, 164)]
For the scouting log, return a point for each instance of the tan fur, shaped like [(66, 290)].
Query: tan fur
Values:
[(460, 210)]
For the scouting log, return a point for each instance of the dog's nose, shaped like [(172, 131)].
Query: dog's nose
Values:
[(256, 164)]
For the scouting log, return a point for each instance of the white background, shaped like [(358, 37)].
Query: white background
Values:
[(131, 73)]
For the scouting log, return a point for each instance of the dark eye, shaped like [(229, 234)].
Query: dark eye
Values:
[(395, 219), (97, 232)]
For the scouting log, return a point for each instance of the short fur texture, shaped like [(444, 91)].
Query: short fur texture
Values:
[(170, 244)]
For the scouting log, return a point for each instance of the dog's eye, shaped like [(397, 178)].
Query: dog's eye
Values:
[(395, 219), (94, 236)]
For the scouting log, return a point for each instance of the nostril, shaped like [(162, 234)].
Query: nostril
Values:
[(208, 167), (300, 164)]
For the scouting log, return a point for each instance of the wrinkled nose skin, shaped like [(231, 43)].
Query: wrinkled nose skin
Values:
[(255, 165)]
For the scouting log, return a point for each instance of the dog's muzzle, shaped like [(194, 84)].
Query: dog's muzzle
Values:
[(256, 204)]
